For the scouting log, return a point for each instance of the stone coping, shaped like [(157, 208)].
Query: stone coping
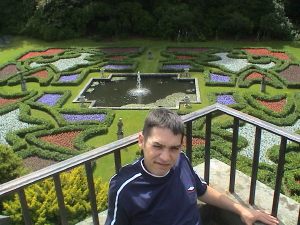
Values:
[(219, 179)]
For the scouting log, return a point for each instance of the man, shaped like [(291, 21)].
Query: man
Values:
[(161, 188)]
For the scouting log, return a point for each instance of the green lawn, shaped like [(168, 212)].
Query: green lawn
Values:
[(133, 120)]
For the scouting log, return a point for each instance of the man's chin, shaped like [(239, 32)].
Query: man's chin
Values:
[(162, 172)]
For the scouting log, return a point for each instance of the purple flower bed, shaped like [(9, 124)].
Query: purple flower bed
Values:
[(49, 99), (219, 78), (176, 66), (117, 67), (83, 117), (225, 99), (68, 78)]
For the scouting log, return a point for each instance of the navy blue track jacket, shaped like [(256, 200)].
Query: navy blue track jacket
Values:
[(136, 197)]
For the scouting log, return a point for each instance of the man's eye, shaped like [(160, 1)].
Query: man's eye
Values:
[(157, 146)]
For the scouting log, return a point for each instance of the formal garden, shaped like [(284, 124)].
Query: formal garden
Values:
[(44, 120)]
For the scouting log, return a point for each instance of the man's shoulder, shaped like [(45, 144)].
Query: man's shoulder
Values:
[(127, 174)]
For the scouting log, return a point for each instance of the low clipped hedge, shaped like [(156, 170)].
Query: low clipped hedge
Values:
[(240, 101), (65, 95), (289, 108), (194, 66), (81, 76), (133, 67), (72, 53), (287, 117), (16, 138), (291, 185), (6, 77), (87, 132), (26, 75), (288, 120), (42, 153), (272, 81), (297, 102), (56, 114), (24, 96), (209, 82), (41, 50), (132, 54), (110, 115)]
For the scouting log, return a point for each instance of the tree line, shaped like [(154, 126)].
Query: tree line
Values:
[(166, 19)]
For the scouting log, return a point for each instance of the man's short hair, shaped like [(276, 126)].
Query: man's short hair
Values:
[(163, 118)]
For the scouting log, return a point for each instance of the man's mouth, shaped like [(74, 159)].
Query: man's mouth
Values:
[(162, 164)]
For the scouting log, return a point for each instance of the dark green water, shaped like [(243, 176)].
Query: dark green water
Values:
[(115, 92)]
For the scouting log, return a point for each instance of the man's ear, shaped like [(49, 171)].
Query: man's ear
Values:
[(141, 140)]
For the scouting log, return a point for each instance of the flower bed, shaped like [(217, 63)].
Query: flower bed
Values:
[(291, 74), (176, 67), (64, 139), (65, 64), (49, 99), (184, 57), (68, 78), (268, 140), (225, 99), (35, 163), (117, 67), (267, 52), (43, 74), (236, 65), (276, 106), (195, 141), (219, 78), (8, 70), (9, 123), (117, 58), (187, 49), (51, 51), (4, 101), (84, 117), (255, 75)]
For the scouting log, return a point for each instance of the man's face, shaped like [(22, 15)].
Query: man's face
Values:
[(161, 150)]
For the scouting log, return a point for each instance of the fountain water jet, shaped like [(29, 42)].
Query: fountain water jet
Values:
[(139, 90)]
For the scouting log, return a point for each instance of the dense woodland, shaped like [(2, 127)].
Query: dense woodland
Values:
[(166, 19)]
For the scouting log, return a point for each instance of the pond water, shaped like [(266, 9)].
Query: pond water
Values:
[(161, 90)]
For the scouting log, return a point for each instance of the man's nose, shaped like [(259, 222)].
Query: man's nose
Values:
[(165, 155)]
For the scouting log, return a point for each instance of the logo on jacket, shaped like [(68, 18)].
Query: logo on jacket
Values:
[(191, 189)]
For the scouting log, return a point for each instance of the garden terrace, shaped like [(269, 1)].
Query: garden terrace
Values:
[(18, 185)]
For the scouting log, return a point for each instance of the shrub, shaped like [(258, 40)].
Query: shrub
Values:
[(43, 205), (10, 166)]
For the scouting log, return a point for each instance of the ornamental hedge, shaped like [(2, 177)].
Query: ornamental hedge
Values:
[(86, 132), (210, 81), (27, 76), (271, 79), (289, 108)]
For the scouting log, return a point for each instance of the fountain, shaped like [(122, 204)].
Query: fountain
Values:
[(139, 90)]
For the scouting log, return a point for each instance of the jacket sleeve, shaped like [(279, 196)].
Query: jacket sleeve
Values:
[(116, 213)]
